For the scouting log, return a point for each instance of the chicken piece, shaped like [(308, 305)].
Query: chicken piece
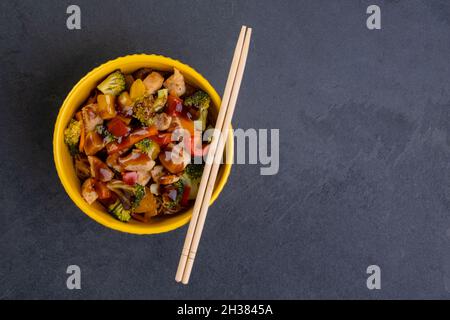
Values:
[(90, 117), (153, 82), (175, 84), (169, 179), (137, 161), (143, 177), (112, 162), (154, 188), (99, 170), (93, 143), (162, 121), (157, 172), (174, 159), (125, 104), (175, 124), (88, 191), (82, 167)]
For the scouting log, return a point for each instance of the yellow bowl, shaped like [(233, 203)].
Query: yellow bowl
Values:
[(80, 93)]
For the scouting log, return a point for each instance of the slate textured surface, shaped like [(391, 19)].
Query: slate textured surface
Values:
[(364, 175)]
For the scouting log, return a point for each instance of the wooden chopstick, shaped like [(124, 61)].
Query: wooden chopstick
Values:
[(217, 155), (212, 150)]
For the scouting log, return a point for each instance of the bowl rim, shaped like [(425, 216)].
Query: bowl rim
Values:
[(58, 138)]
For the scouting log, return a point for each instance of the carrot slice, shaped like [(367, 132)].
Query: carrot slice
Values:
[(134, 137)]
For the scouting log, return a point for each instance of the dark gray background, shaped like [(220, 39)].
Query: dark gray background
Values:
[(364, 176)]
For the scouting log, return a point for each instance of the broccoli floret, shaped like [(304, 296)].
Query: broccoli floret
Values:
[(144, 145), (149, 146), (143, 110), (179, 185), (161, 100), (72, 136), (114, 84), (200, 100), (139, 193), (191, 177), (119, 212), (203, 118), (194, 171), (171, 204)]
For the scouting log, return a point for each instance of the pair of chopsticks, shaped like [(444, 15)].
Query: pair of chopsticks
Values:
[(215, 154)]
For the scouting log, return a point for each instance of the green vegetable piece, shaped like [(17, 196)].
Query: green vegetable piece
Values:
[(72, 136), (149, 146), (203, 118), (161, 100), (118, 211), (144, 145), (194, 171), (114, 84), (200, 100), (143, 110), (139, 194), (191, 177)]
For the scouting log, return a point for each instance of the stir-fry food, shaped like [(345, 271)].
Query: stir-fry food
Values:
[(123, 146)]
